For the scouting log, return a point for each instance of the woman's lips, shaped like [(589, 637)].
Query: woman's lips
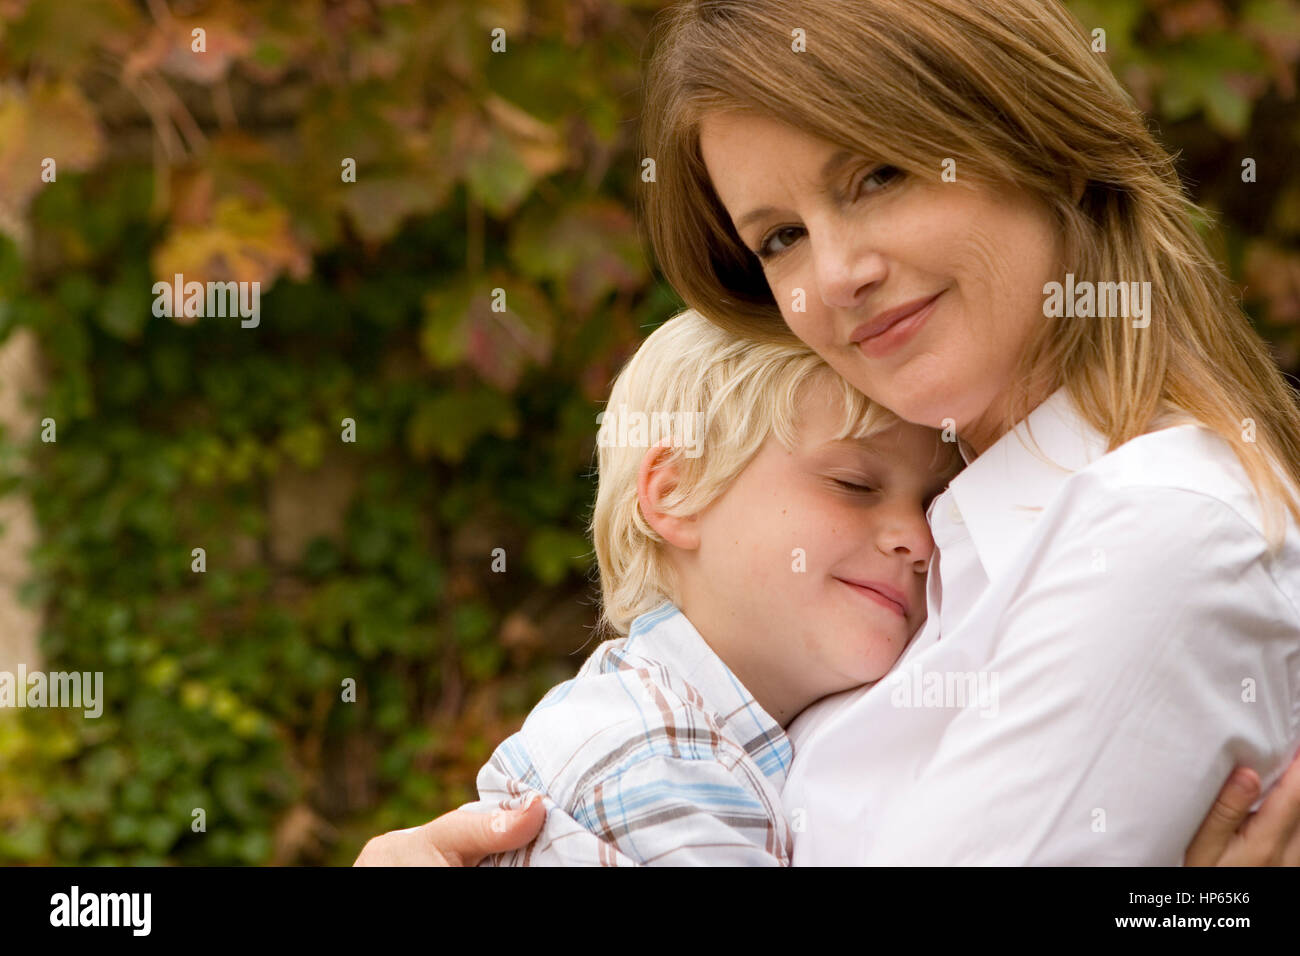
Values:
[(892, 330)]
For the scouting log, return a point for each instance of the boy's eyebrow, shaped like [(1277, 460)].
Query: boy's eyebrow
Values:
[(855, 446), (865, 444)]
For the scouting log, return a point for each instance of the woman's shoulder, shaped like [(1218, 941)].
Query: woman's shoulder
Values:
[(1165, 527), (1175, 467), (1183, 492)]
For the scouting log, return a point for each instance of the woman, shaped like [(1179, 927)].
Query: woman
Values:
[(914, 188)]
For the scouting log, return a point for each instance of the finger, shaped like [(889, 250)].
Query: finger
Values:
[(1230, 810), (400, 848), (464, 837), (1291, 855), (1277, 822)]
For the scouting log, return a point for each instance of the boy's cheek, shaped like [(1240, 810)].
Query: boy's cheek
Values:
[(921, 617)]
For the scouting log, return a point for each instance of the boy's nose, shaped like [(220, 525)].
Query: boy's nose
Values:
[(910, 540)]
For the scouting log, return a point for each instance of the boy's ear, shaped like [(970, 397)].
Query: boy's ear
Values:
[(656, 477)]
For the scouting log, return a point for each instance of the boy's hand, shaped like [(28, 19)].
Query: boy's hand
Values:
[(457, 838), (1233, 836)]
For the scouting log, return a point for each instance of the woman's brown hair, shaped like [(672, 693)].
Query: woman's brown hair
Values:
[(1012, 91)]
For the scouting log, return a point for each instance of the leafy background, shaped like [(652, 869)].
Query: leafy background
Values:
[(371, 560)]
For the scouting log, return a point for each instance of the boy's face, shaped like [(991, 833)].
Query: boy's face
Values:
[(811, 566)]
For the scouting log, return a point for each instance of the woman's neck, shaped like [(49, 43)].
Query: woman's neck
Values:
[(982, 433)]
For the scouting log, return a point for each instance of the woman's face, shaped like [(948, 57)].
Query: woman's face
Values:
[(923, 294)]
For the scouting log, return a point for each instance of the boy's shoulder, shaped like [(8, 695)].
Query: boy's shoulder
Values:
[(629, 702), (659, 693), (655, 750), (616, 664)]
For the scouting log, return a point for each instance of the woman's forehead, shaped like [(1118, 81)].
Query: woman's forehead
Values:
[(750, 157)]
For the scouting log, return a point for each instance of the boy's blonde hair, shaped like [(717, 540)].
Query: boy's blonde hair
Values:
[(735, 392)]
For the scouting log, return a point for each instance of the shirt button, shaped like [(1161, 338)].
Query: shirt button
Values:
[(954, 512)]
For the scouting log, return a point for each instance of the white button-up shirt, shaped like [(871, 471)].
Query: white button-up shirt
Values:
[(1107, 637)]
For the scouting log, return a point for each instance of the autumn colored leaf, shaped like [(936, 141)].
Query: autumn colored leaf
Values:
[(377, 204), (1272, 276), (506, 153), (589, 249), (49, 121), (242, 242), (498, 330)]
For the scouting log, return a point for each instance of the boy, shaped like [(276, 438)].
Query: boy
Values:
[(761, 539)]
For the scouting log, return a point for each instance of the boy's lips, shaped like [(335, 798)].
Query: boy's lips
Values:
[(885, 595)]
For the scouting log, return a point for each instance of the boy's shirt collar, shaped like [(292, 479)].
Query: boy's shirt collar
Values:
[(665, 636)]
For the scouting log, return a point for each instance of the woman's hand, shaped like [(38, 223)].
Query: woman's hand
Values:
[(457, 838), (1233, 836)]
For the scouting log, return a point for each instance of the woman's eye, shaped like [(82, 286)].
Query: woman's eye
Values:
[(778, 241), (881, 176)]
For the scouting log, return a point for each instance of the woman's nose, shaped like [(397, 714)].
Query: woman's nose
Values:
[(846, 269)]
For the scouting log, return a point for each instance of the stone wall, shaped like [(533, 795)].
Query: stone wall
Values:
[(21, 376)]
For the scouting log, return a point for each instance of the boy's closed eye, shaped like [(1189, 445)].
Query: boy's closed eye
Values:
[(854, 486)]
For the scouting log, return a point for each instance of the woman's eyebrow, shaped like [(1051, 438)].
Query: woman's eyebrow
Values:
[(831, 176), (754, 214), (830, 169)]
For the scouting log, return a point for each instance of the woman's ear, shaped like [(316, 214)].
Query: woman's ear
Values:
[(657, 476), (1077, 185)]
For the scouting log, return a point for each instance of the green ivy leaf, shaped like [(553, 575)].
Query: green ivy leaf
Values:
[(554, 552)]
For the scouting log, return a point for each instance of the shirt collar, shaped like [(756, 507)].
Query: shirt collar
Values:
[(1001, 493), (666, 636)]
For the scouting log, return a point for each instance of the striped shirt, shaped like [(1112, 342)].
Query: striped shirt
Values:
[(653, 754)]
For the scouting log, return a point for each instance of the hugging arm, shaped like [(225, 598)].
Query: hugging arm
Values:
[(1229, 836), (1127, 689), (676, 811), (661, 811)]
